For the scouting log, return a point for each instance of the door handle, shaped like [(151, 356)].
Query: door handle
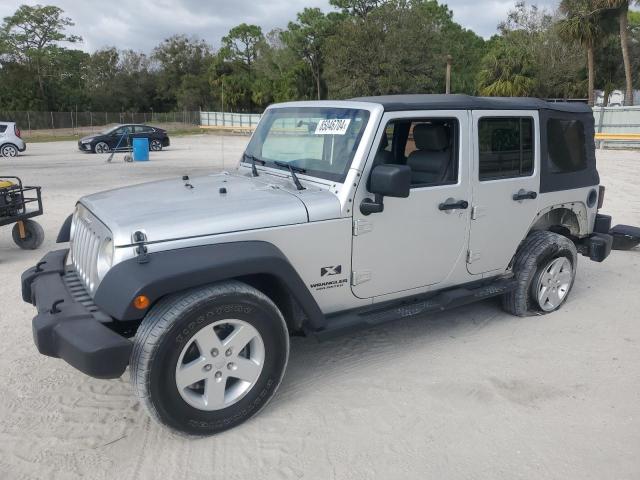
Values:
[(449, 204), (524, 195)]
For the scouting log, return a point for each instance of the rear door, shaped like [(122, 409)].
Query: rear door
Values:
[(505, 183)]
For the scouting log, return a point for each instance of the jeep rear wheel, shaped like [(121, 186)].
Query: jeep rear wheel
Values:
[(545, 269), (208, 359)]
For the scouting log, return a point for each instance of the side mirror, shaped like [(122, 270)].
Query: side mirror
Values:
[(386, 181)]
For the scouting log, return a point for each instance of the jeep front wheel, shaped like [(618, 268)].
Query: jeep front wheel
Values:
[(208, 359), (545, 269)]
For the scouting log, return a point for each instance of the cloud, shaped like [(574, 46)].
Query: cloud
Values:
[(143, 24)]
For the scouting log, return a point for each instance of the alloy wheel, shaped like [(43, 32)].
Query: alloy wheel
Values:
[(9, 151), (554, 283), (220, 364)]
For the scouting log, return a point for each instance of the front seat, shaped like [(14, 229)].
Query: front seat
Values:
[(429, 163)]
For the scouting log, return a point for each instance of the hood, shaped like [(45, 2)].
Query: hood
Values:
[(88, 138), (168, 209)]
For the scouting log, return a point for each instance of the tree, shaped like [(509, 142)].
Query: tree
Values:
[(307, 37), (358, 8), (530, 58), (507, 71), (401, 47), (182, 61), (32, 34), (621, 7), (241, 44), (583, 23)]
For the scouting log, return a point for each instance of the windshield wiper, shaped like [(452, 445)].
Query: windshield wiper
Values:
[(254, 159), (293, 169)]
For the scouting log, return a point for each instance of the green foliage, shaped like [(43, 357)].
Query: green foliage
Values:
[(241, 45), (30, 37), (507, 70), (529, 57), (399, 47), (363, 47), (307, 38), (183, 65)]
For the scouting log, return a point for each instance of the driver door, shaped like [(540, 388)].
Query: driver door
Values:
[(415, 243), (119, 138)]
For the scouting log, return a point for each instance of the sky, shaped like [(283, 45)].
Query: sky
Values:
[(143, 24)]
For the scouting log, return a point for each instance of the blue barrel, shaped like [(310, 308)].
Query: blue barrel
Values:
[(141, 149)]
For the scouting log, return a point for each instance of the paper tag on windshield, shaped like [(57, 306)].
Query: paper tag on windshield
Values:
[(336, 126)]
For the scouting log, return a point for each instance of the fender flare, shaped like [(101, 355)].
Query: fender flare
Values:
[(65, 230), (576, 210), (172, 271)]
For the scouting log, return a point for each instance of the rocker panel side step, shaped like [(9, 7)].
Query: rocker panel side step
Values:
[(366, 317)]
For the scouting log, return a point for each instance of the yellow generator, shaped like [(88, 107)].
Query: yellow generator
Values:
[(18, 205)]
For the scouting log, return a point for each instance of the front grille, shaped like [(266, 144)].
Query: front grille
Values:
[(84, 248)]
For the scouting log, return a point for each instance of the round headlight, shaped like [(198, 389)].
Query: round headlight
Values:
[(105, 258)]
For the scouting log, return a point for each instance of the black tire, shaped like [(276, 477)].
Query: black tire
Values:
[(536, 252), (34, 235), (172, 323), (155, 145), (101, 147), (8, 150)]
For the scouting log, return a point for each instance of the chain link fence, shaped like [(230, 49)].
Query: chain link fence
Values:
[(226, 120), (34, 124)]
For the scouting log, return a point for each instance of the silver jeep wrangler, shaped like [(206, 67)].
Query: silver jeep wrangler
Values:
[(341, 215)]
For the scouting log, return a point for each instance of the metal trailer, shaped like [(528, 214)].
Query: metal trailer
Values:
[(18, 205)]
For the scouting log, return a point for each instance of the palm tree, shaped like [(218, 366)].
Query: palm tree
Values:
[(622, 9), (582, 23)]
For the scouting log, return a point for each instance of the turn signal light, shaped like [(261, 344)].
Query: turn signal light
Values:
[(141, 302)]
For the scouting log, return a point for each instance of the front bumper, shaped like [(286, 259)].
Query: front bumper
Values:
[(67, 326), (84, 147)]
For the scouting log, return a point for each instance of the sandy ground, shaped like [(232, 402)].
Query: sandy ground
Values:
[(471, 393)]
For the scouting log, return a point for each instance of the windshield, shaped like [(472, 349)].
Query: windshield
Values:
[(320, 140)]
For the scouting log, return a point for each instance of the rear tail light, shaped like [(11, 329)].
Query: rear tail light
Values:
[(600, 197), (17, 130)]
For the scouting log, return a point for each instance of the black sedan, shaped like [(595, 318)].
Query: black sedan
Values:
[(121, 137)]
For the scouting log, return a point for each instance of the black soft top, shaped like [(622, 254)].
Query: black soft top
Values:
[(394, 103)]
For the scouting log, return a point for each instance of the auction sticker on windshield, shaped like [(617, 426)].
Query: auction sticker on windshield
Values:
[(336, 126)]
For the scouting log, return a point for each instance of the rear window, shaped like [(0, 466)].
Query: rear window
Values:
[(565, 145), (506, 147)]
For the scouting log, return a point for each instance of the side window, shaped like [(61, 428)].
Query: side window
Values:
[(565, 145), (506, 147), (3, 128), (429, 146)]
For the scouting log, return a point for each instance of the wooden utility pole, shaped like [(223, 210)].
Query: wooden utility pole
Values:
[(448, 77)]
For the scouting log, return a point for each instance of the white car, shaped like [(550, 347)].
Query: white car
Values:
[(616, 99), (10, 141)]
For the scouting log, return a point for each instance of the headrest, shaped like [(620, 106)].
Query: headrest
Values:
[(431, 137)]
